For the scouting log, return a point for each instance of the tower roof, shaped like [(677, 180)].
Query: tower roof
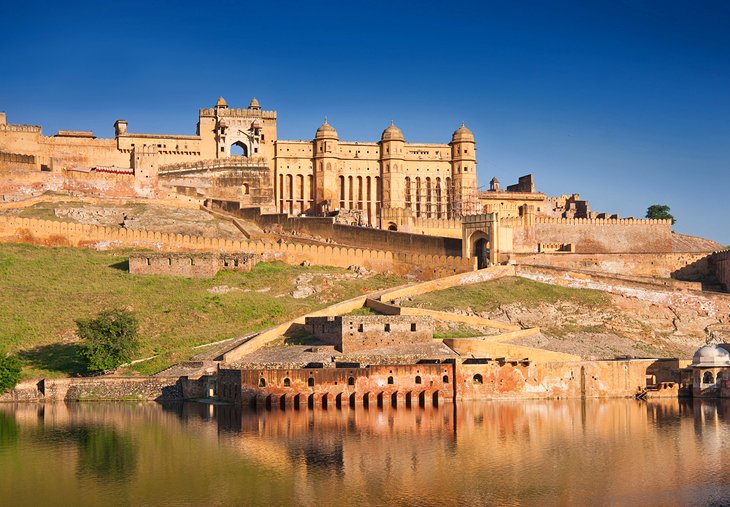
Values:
[(326, 131), (392, 133), (254, 104), (462, 134), (221, 102)]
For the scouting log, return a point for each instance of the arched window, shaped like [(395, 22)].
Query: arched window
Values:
[(408, 192), (707, 378), (351, 381), (246, 189), (446, 379), (478, 379), (342, 192), (287, 382), (262, 382), (418, 379), (239, 150), (310, 381), (390, 380)]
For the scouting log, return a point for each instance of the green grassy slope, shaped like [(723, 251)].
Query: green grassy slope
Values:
[(43, 290)]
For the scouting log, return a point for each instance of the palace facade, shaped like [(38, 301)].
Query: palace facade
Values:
[(314, 177)]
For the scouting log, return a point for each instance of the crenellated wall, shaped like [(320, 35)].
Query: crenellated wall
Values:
[(349, 235), (55, 233), (720, 267)]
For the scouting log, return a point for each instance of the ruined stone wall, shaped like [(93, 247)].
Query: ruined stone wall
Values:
[(53, 233), (112, 388), (720, 268), (355, 333), (192, 265)]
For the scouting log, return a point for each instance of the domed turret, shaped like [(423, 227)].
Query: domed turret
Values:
[(392, 133), (462, 134), (711, 355), (326, 131), (254, 104), (221, 103)]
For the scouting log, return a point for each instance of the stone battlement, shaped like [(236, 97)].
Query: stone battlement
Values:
[(9, 127), (216, 163), (207, 112)]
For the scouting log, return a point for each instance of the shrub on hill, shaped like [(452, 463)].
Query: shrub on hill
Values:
[(109, 340), (9, 372)]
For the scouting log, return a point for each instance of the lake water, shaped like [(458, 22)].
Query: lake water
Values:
[(619, 452)]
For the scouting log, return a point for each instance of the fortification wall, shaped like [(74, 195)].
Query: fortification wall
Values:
[(361, 237), (53, 233), (683, 266), (591, 235)]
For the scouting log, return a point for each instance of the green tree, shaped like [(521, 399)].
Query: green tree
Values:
[(660, 212), (9, 372), (109, 340)]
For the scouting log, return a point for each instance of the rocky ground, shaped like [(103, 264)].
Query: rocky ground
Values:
[(591, 324), (150, 217), (626, 327)]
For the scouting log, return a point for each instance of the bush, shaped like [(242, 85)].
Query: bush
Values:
[(109, 340), (9, 372)]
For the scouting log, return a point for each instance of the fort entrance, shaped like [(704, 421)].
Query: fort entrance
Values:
[(479, 239)]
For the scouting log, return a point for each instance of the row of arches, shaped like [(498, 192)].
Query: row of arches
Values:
[(361, 193), (286, 382), (343, 400), (295, 193), (429, 198)]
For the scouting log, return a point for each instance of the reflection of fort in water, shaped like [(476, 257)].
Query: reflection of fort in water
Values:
[(498, 449)]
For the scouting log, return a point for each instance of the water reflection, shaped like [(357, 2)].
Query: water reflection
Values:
[(105, 453), (617, 452)]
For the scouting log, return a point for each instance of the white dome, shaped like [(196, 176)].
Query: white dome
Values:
[(711, 355)]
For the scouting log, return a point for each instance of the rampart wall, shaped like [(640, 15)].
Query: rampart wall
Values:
[(592, 235), (683, 266), (362, 237), (54, 233)]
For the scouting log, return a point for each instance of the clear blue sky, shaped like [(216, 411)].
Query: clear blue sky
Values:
[(627, 103)]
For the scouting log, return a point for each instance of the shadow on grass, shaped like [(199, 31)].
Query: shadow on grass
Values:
[(121, 266), (57, 357)]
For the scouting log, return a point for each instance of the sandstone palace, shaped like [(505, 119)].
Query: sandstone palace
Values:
[(314, 177), (385, 198)]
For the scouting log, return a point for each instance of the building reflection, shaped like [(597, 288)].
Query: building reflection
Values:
[(567, 452)]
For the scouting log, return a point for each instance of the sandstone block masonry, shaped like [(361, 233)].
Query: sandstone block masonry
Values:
[(192, 265), (433, 383), (355, 333)]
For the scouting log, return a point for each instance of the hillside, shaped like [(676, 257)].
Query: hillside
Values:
[(43, 291), (589, 323)]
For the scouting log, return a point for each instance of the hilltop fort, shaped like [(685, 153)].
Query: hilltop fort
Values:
[(385, 206)]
